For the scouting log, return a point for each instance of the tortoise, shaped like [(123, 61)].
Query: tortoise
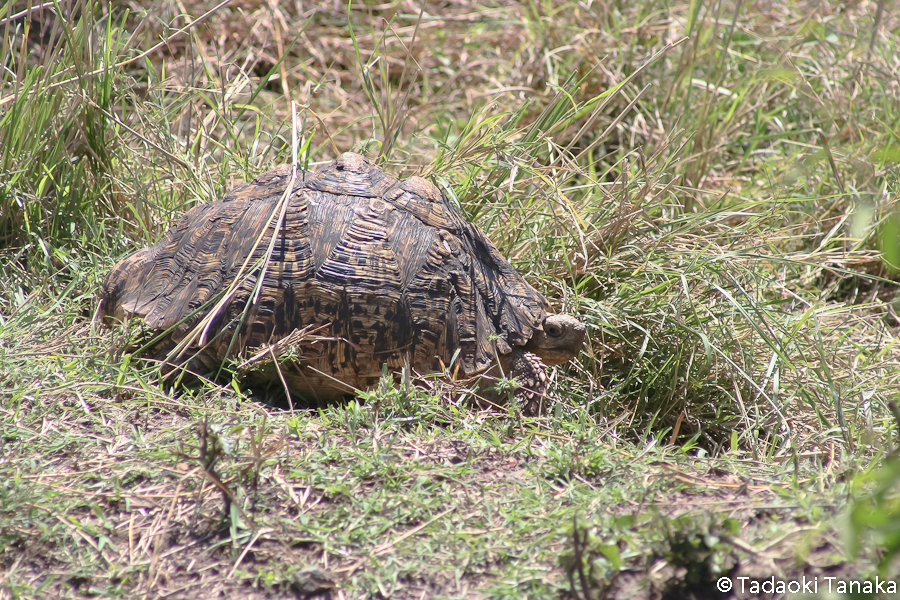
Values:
[(386, 271)]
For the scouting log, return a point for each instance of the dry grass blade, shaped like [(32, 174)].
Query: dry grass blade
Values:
[(394, 125), (247, 548), (282, 347), (200, 332), (171, 156), (608, 96), (23, 13), (284, 204)]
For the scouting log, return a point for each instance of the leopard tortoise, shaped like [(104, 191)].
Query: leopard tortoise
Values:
[(387, 271)]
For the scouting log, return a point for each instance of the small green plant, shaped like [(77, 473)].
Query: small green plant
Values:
[(875, 515), (696, 550)]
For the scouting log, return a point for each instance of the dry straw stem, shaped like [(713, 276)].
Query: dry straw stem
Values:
[(25, 12), (200, 332)]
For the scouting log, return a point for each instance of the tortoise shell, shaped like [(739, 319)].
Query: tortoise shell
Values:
[(386, 271)]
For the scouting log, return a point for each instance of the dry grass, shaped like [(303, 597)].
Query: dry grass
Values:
[(714, 193)]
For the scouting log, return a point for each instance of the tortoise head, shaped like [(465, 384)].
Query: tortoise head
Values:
[(559, 339)]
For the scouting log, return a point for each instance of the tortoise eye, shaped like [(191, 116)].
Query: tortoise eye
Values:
[(553, 330)]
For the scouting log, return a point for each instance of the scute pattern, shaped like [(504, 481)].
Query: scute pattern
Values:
[(390, 267)]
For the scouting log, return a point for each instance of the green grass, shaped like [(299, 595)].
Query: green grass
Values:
[(712, 188)]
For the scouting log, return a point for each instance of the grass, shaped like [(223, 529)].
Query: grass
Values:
[(711, 187)]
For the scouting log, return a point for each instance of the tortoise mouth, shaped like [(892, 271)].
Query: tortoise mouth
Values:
[(557, 356)]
